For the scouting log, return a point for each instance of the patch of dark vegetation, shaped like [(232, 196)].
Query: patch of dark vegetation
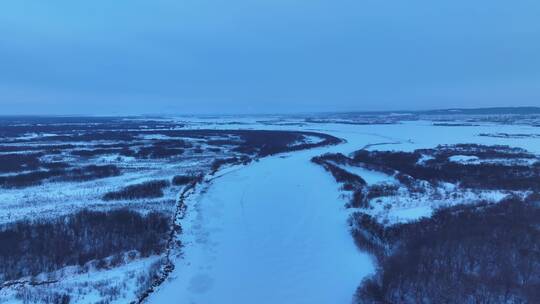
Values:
[(61, 128), (482, 253), (97, 152), (388, 160), (350, 181), (35, 178), (224, 142), (507, 175), (508, 135), (17, 162), (220, 162), (158, 152), (260, 143), (44, 148), (465, 254), (265, 143), (448, 124), (15, 126), (30, 295), (173, 143), (359, 198), (338, 158), (380, 190), (358, 121), (55, 165), (480, 151), (255, 142), (29, 248), (120, 145), (131, 138), (88, 137), (181, 180), (151, 189), (90, 172), (23, 180)]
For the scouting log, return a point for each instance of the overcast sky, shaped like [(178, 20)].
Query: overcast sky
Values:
[(266, 56)]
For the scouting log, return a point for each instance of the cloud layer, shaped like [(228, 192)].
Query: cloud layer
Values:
[(200, 56)]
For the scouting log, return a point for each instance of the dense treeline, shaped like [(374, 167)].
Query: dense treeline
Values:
[(44, 148), (380, 190), (350, 182), (40, 296), (90, 172), (274, 142), (151, 189), (29, 248), (483, 175), (89, 137), (435, 166), (19, 162), (259, 142), (481, 151), (180, 180), (27, 179), (482, 253), (158, 151), (466, 254), (98, 152), (55, 165), (12, 127), (58, 173), (220, 162)]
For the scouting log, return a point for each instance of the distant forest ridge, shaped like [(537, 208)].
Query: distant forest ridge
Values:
[(105, 119), (458, 111)]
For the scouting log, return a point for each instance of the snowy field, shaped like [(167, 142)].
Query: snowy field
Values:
[(272, 231)]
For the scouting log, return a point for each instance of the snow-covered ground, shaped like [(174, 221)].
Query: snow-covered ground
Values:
[(275, 231), (112, 285), (53, 199)]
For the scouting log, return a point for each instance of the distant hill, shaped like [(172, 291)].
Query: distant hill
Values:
[(484, 111), (455, 111)]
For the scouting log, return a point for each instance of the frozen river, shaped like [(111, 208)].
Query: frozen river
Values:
[(272, 232)]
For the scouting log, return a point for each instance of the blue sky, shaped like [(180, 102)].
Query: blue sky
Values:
[(239, 56)]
